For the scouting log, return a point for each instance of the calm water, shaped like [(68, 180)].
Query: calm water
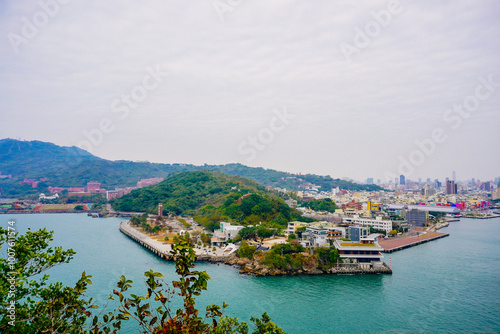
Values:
[(451, 285)]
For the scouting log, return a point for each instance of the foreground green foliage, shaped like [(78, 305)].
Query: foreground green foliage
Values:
[(293, 257), (38, 306), (55, 308)]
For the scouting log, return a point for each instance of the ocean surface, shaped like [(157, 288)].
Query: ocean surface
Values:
[(451, 285)]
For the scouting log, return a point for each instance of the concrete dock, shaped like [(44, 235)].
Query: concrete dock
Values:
[(163, 250), (393, 245)]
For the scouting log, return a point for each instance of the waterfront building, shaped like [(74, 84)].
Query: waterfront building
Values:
[(366, 251), (224, 233)]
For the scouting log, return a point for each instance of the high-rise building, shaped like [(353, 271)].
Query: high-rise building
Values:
[(428, 180), (402, 180), (486, 186), (451, 187), (369, 180), (454, 176)]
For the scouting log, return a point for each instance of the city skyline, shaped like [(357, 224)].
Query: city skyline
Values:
[(363, 90)]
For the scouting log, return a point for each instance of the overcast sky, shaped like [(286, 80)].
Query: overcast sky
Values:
[(344, 88)]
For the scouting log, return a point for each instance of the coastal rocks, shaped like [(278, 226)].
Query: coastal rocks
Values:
[(255, 268)]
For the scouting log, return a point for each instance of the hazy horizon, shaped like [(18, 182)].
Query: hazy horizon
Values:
[(348, 89)]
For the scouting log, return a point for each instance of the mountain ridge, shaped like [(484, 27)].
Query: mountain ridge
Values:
[(71, 166)]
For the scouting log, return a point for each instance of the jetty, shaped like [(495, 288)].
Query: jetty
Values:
[(162, 250), (396, 244)]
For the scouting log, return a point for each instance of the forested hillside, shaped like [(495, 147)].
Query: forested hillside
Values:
[(211, 197), (71, 166)]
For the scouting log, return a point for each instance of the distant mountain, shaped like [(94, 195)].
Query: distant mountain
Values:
[(72, 166)]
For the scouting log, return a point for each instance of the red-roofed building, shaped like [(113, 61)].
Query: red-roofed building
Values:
[(54, 190), (93, 187), (149, 182)]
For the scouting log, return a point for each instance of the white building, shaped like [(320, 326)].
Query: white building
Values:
[(377, 222), (224, 233), (229, 230), (43, 196)]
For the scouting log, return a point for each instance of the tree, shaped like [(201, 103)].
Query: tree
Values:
[(301, 229), (79, 208), (156, 229), (55, 308), (248, 232), (246, 250), (31, 305), (263, 233), (393, 232)]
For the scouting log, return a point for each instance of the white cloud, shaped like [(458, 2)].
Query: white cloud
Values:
[(226, 78)]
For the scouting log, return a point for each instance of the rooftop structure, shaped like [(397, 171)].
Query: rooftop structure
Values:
[(428, 208)]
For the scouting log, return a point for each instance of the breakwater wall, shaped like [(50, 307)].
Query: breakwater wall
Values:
[(163, 250), (144, 241), (412, 243)]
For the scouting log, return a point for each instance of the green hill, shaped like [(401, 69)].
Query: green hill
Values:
[(211, 197), (71, 166)]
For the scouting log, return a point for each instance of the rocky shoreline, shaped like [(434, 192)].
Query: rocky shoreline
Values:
[(254, 268)]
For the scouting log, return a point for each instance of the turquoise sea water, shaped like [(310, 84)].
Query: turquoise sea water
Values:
[(451, 285)]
